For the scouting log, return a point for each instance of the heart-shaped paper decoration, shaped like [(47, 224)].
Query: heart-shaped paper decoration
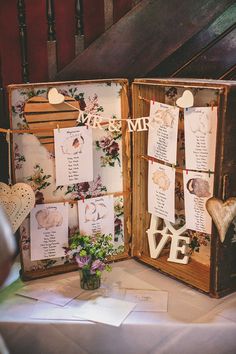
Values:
[(186, 100), (54, 97), (222, 213), (17, 201)]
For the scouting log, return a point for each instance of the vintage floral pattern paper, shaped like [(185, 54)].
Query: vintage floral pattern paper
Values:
[(35, 165)]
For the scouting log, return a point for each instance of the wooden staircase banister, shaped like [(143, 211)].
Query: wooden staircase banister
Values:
[(143, 38)]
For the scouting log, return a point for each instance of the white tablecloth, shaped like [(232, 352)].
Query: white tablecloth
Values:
[(193, 324)]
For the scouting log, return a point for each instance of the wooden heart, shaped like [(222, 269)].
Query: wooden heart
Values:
[(54, 97), (222, 213), (186, 100), (17, 201), (39, 113)]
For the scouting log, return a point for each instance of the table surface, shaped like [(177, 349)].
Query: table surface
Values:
[(194, 322)]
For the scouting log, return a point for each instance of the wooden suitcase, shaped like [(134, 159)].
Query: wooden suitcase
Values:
[(212, 264), (216, 277)]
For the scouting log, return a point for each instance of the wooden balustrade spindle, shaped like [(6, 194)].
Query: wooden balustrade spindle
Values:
[(108, 13), (79, 27), (51, 42), (23, 40)]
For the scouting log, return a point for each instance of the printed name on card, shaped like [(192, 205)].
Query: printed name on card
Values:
[(161, 191), (96, 215), (73, 155), (48, 231), (200, 125), (162, 135), (198, 188)]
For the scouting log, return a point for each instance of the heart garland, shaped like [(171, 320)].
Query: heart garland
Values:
[(186, 100), (17, 201), (222, 213), (54, 97)]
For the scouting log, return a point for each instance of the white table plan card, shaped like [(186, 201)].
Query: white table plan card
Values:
[(198, 188), (162, 135), (73, 151), (48, 231), (200, 125), (161, 191), (96, 215)]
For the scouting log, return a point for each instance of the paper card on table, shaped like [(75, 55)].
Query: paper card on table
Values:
[(161, 191), (96, 215), (162, 134), (55, 294), (200, 125), (198, 187), (47, 311), (73, 155), (105, 310), (48, 231), (147, 300)]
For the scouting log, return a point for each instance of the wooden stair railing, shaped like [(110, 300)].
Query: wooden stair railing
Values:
[(143, 38)]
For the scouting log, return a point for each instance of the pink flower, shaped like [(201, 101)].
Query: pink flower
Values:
[(19, 107), (97, 265), (105, 142), (82, 261), (113, 149)]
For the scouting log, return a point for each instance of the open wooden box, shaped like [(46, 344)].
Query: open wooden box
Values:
[(212, 264)]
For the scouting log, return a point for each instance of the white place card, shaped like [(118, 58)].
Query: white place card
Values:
[(73, 155), (200, 126), (162, 134), (96, 215), (48, 231), (49, 311), (147, 300), (105, 310), (161, 191), (198, 187), (56, 294)]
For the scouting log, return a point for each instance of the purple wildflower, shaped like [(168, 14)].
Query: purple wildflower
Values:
[(82, 261), (97, 265)]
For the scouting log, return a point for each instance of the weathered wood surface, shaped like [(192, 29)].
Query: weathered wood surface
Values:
[(219, 278), (143, 38), (199, 44)]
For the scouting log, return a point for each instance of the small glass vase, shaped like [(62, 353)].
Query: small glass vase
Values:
[(89, 281)]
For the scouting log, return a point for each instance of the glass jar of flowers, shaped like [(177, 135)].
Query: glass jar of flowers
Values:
[(91, 253)]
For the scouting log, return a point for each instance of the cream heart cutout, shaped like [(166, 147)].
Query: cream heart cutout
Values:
[(186, 100), (222, 213), (17, 201), (54, 97)]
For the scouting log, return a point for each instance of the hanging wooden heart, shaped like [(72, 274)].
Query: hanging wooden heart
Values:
[(222, 213), (186, 100), (39, 113), (17, 200), (54, 97)]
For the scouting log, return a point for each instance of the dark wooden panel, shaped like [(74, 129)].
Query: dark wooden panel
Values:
[(36, 40), (120, 8), (215, 62), (197, 44), (143, 38), (230, 74), (93, 20), (10, 45), (65, 31), (3, 124)]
